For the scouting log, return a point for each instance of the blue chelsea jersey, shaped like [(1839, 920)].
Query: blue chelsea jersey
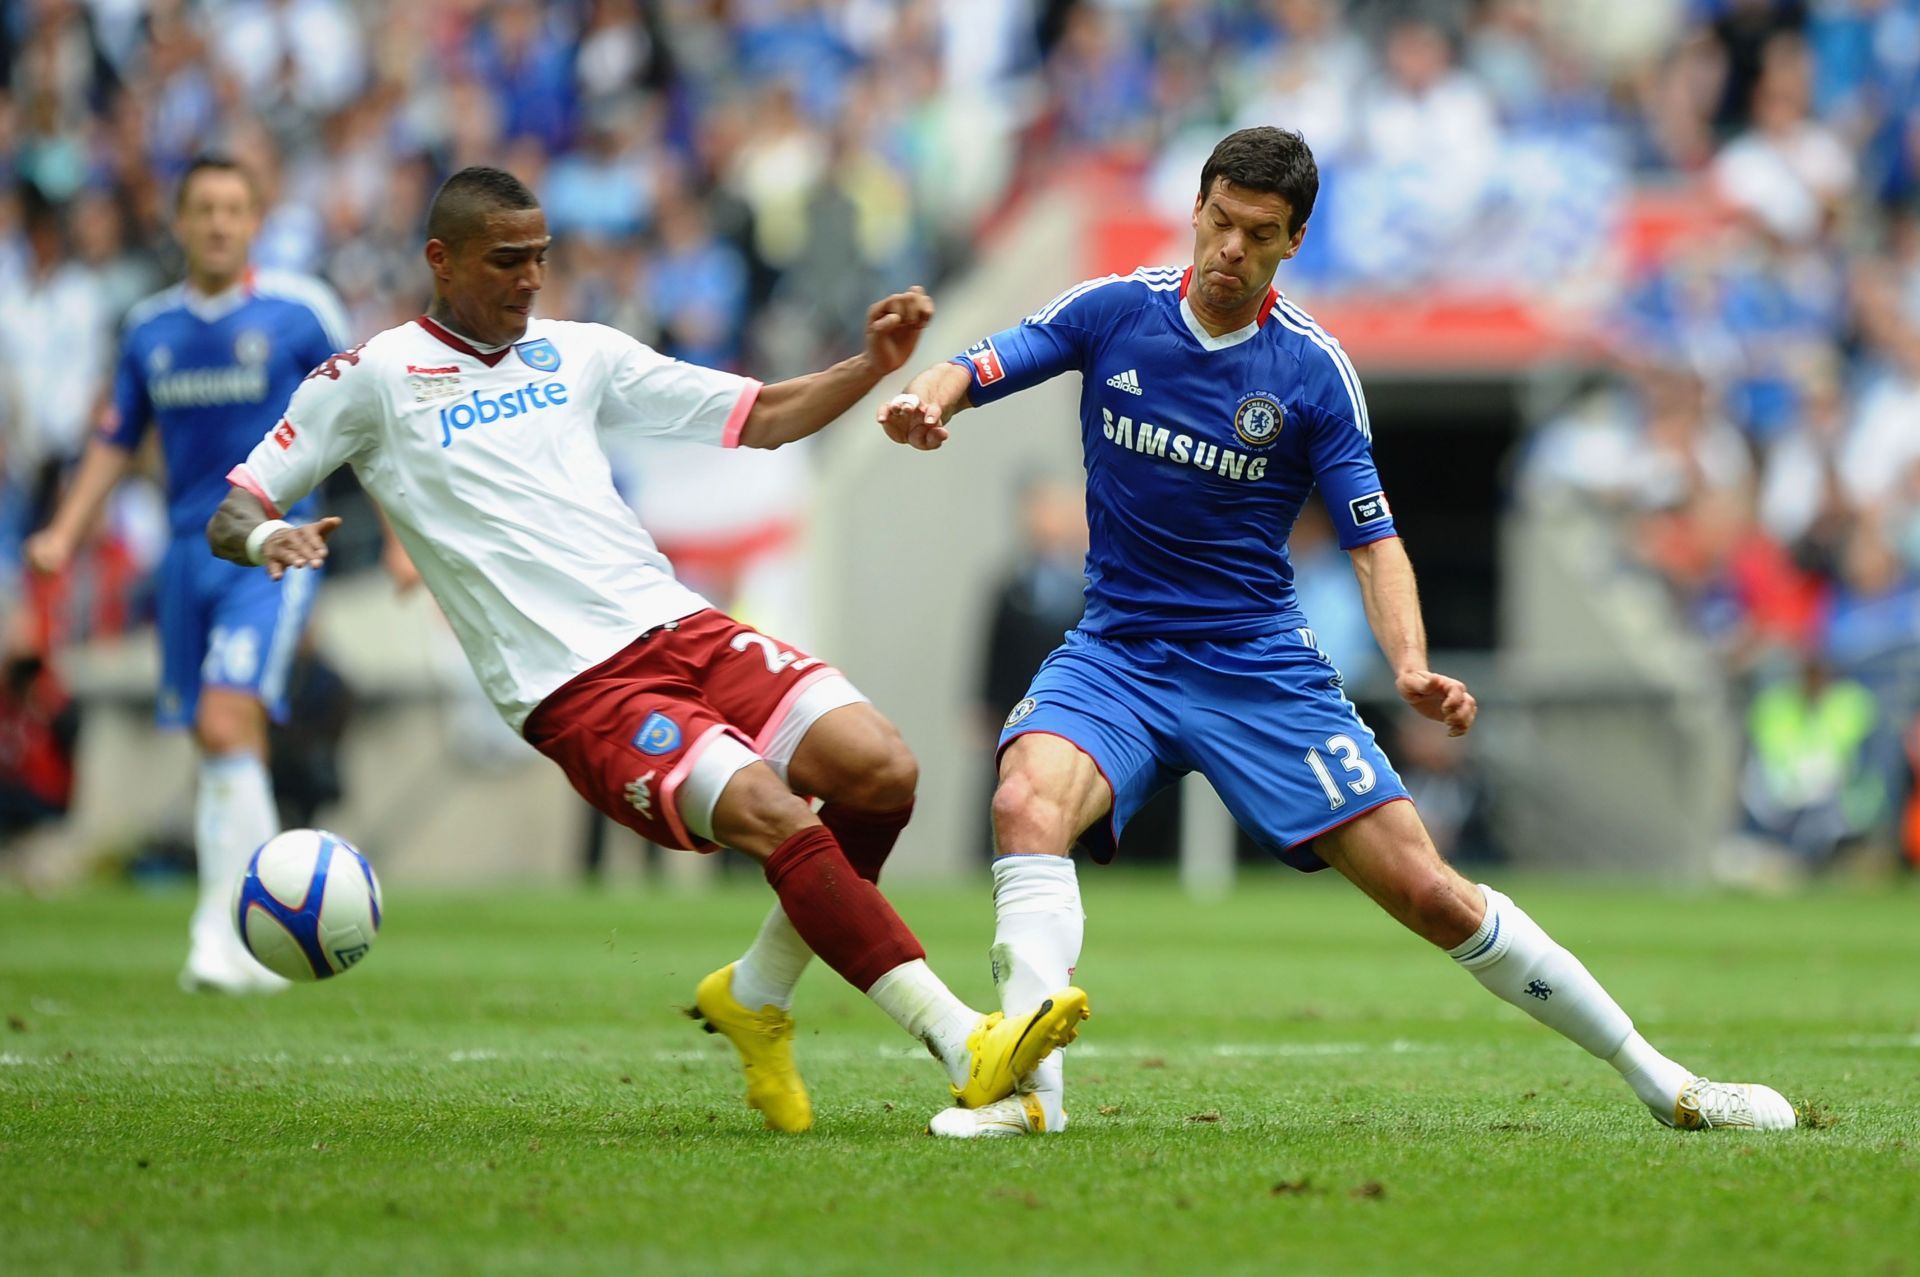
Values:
[(1200, 450), (214, 374)]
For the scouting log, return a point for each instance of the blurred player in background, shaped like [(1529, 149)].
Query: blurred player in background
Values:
[(211, 362), (1211, 406), (478, 428)]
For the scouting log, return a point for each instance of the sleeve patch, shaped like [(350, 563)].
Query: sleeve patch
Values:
[(987, 367), (284, 434), (1371, 508)]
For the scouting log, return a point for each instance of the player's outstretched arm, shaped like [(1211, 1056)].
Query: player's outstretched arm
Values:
[(793, 409), (241, 532), (918, 415), (101, 469), (1393, 610)]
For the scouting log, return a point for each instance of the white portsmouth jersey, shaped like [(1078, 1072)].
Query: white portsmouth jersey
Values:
[(489, 465)]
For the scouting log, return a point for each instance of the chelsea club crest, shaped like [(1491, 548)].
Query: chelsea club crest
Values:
[(539, 355), (1258, 420)]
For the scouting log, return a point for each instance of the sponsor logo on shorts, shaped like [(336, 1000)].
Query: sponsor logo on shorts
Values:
[(987, 367), (538, 354), (1371, 508), (640, 794), (1258, 420), (658, 735), (1026, 706)]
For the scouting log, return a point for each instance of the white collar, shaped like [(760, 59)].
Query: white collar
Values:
[(1206, 339), (211, 306)]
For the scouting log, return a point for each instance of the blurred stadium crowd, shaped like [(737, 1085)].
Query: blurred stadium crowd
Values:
[(732, 181)]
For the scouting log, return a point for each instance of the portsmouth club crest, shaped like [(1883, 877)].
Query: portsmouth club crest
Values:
[(658, 735), (1258, 420), (539, 355)]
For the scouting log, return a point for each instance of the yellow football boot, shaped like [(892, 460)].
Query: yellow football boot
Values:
[(764, 1039), (1005, 1050)]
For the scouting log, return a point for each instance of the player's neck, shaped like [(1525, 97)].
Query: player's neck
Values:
[(442, 314), (1220, 323), (212, 283)]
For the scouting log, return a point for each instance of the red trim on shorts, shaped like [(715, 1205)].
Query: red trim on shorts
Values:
[(242, 478), (1348, 820), (448, 338), (777, 719), (737, 419), (670, 787), (1113, 797)]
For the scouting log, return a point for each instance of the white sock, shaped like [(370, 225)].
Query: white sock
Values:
[(1036, 945), (1522, 965), (767, 972), (920, 1002), (232, 816)]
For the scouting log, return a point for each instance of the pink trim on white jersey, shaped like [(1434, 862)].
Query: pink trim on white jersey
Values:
[(242, 478), (670, 787), (737, 419), (785, 707)]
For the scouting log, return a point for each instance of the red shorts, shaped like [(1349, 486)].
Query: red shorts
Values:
[(652, 734)]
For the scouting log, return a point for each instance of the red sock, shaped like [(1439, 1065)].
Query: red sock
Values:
[(842, 917), (866, 837)]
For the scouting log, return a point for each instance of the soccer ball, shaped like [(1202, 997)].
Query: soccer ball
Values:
[(308, 906)]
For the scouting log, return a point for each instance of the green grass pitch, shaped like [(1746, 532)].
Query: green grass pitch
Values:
[(1283, 1084)]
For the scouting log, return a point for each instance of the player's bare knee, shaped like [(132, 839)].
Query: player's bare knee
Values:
[(855, 758), (1438, 910), (890, 782), (1027, 819), (756, 813), (223, 727)]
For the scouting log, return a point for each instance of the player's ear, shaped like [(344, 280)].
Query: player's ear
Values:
[(437, 257), (1293, 245)]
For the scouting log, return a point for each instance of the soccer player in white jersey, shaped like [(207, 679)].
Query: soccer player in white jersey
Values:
[(209, 363), (477, 427), (1211, 406)]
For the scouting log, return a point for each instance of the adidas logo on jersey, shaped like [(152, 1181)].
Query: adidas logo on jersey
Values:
[(1128, 381)]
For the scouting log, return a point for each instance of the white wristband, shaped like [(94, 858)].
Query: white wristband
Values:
[(257, 539)]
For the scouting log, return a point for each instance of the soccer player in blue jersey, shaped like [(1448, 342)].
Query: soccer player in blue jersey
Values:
[(211, 362), (1210, 408)]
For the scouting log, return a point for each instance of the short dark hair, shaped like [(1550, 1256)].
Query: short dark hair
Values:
[(464, 200), (1276, 161), (213, 164)]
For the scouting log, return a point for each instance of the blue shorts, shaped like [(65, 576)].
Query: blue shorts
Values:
[(1264, 719), (224, 625)]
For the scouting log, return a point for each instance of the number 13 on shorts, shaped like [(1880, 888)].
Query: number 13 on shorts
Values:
[(1347, 753)]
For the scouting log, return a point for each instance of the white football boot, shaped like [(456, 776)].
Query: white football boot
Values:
[(1705, 1106), (218, 963), (1018, 1114)]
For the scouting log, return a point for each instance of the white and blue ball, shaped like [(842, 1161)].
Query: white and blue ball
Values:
[(308, 906)]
